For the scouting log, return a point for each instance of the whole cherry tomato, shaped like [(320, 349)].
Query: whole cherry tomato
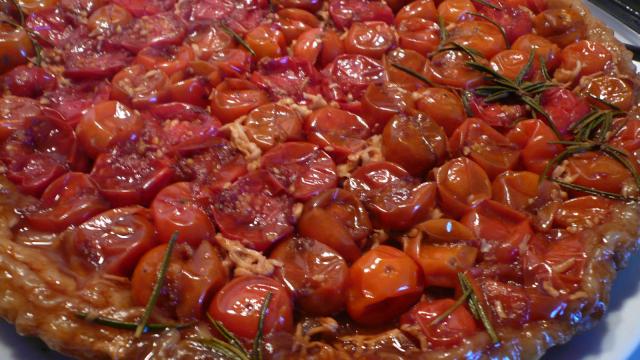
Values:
[(271, 124), (15, 47), (372, 38), (419, 34), (449, 332), (267, 41), (536, 141), (69, 200), (293, 22), (516, 189), (549, 51), (449, 68), (114, 241), (382, 101), (314, 273), (193, 275), (336, 218), (461, 184), (562, 26), (610, 90), (580, 59), (318, 46), (422, 9), (514, 20), (233, 98), (383, 283), (452, 10), (481, 36), (338, 132), (509, 63), (414, 142), (584, 211), (344, 13), (239, 303), (441, 263), (598, 171), (176, 209), (29, 81), (442, 106), (409, 59), (564, 107)]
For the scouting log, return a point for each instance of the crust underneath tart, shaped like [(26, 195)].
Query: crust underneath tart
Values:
[(40, 297)]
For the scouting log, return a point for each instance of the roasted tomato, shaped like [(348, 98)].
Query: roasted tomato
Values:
[(461, 184), (338, 132), (351, 74), (564, 107), (509, 63), (584, 211), (422, 9), (318, 46), (604, 90), (449, 332), (106, 19), (239, 303), (267, 41), (383, 284), (216, 164), (315, 274), (409, 59), (15, 47), (193, 276), (369, 38), (441, 263), (419, 34), (271, 124), (516, 189), (562, 26), (443, 106), (449, 68), (452, 10), (29, 81), (234, 97), (536, 141), (481, 36), (337, 219), (346, 12), (597, 171), (140, 88), (582, 58), (293, 22), (382, 101)]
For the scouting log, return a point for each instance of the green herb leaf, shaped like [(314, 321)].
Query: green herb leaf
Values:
[(593, 191), (461, 300), (476, 307), (125, 325), (228, 351), (544, 68), (537, 108), (228, 335), (465, 102), (486, 3), (604, 102), (257, 341), (413, 73), (142, 324), (520, 78), (444, 34), (238, 38)]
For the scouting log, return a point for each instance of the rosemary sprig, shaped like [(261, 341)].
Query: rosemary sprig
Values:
[(486, 3), (476, 307), (500, 27), (227, 350), (151, 304), (544, 68), (454, 46), (227, 335), (32, 35), (258, 340), (461, 300), (126, 325), (464, 96), (413, 73), (604, 102), (592, 191), (20, 11), (238, 38), (444, 34)]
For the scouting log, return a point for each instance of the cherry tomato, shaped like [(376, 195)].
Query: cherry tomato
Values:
[(535, 139), (610, 89), (14, 111), (514, 20), (52, 26), (449, 68), (183, 127), (338, 132), (28, 81), (253, 210), (194, 91), (584, 211), (423, 9), (597, 171), (15, 47), (443, 106), (414, 142), (71, 101), (314, 273), (308, 5), (33, 172), (516, 189), (104, 122), (481, 36), (293, 22), (408, 58), (562, 26), (564, 107), (461, 184), (585, 57), (451, 331), (108, 18), (510, 298), (509, 63), (351, 74), (31, 6), (383, 283), (158, 30), (239, 16), (69, 200), (85, 60), (336, 218), (542, 47), (82, 7), (419, 34), (216, 165), (238, 306), (627, 137), (169, 59), (344, 13), (441, 263), (194, 274), (267, 41), (498, 115), (141, 8), (113, 241), (234, 98), (484, 145), (503, 229), (302, 169), (382, 101), (287, 77), (208, 40), (397, 200), (318, 46), (139, 87), (452, 10), (371, 38), (176, 209), (272, 124), (49, 134)]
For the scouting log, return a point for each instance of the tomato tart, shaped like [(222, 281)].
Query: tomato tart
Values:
[(284, 179)]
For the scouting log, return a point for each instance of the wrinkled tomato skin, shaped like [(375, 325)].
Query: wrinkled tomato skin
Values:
[(140, 88), (583, 211), (216, 165), (371, 39), (176, 210), (597, 171), (381, 102), (450, 332), (443, 106), (337, 219), (293, 22), (69, 200), (542, 47), (237, 305), (234, 97), (194, 91), (267, 42), (318, 46), (314, 273), (409, 59), (339, 132), (461, 184), (481, 36), (419, 34), (513, 298), (352, 74), (452, 10), (535, 139), (193, 276), (34, 172), (271, 124), (612, 90), (422, 9), (516, 189), (441, 263), (590, 56), (107, 18), (564, 107), (448, 68), (562, 26), (113, 241), (383, 283), (308, 5), (29, 81), (346, 12)]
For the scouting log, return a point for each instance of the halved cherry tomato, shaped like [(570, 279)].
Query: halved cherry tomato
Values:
[(53, 26), (414, 142), (216, 165), (86, 60), (344, 13), (31, 6), (193, 91), (481, 36), (176, 209), (234, 98), (446, 231), (516, 189), (535, 139), (267, 41), (498, 115), (450, 68), (253, 210), (484, 145), (140, 88), (161, 29), (302, 169), (338, 132), (395, 199), (238, 306), (351, 74), (371, 38), (15, 47), (441, 263), (598, 171), (104, 122), (29, 81), (50, 134), (309, 5), (419, 34), (422, 9), (562, 26), (271, 124), (382, 101), (141, 8), (183, 127), (610, 89), (70, 200), (627, 137), (240, 17), (193, 276), (71, 101), (452, 10), (108, 18), (293, 22), (33, 172), (408, 58), (287, 77), (583, 211), (82, 6), (113, 241), (336, 218), (451, 331), (564, 107), (383, 283), (314, 273), (461, 184), (168, 59), (542, 47), (580, 59), (507, 303), (14, 110), (509, 63), (442, 106), (208, 40), (515, 20), (318, 46)]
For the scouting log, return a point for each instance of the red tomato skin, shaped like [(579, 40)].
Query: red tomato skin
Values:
[(29, 81), (564, 107)]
